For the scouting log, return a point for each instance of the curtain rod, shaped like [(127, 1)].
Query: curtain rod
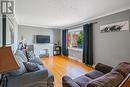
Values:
[(79, 25)]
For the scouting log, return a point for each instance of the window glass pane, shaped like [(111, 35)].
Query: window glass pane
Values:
[(75, 39)]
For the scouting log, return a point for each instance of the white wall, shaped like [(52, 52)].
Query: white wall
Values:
[(57, 36), (28, 33)]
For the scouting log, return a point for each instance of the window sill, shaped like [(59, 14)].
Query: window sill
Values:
[(76, 49)]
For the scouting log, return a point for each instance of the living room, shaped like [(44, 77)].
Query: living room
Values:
[(83, 43)]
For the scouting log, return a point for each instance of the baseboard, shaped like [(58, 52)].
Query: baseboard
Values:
[(76, 59)]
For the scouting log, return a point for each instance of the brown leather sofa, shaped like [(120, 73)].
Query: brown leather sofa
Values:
[(102, 76)]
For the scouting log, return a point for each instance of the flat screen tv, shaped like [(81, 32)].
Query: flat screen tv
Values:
[(42, 39)]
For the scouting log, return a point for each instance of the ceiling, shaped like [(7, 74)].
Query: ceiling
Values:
[(64, 13)]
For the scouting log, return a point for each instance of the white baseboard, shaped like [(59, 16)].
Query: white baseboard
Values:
[(74, 58)]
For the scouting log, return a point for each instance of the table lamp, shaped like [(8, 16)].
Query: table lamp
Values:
[(7, 64)]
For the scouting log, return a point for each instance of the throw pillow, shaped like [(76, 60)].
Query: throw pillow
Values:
[(24, 52), (30, 54), (21, 55), (36, 60), (21, 69), (31, 67)]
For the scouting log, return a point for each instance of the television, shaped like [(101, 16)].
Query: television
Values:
[(42, 39)]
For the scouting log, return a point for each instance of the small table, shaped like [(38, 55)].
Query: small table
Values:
[(57, 50)]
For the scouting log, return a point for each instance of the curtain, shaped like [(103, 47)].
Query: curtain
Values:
[(88, 44), (64, 43), (4, 30)]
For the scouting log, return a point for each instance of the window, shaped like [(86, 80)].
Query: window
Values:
[(75, 39)]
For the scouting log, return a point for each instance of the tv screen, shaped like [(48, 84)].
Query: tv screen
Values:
[(42, 39)]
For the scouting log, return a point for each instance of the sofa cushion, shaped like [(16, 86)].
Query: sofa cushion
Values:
[(112, 79), (19, 71), (82, 80), (31, 67), (123, 68), (94, 74)]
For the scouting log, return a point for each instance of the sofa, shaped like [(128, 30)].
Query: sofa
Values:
[(102, 76), (37, 76)]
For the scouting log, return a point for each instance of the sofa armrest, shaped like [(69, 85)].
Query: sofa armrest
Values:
[(28, 79), (68, 82), (39, 75), (103, 68)]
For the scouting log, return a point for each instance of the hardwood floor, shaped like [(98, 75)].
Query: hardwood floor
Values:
[(127, 83), (61, 66)]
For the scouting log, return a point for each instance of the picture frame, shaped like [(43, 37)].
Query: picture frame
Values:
[(114, 27)]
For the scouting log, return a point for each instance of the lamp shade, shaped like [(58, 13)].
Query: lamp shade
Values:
[(7, 60)]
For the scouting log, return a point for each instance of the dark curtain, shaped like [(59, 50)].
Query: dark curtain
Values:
[(4, 30), (64, 43), (88, 44)]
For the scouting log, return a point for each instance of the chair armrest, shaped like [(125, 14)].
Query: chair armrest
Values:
[(68, 82), (103, 68)]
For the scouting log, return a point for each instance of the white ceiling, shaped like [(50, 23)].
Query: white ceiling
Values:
[(63, 13)]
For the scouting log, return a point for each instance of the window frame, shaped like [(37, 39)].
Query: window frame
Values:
[(75, 30)]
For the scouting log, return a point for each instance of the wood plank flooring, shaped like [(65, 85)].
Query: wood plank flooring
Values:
[(61, 66)]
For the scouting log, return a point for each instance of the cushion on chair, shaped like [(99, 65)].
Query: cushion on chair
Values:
[(112, 79), (123, 68), (94, 74), (82, 80)]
